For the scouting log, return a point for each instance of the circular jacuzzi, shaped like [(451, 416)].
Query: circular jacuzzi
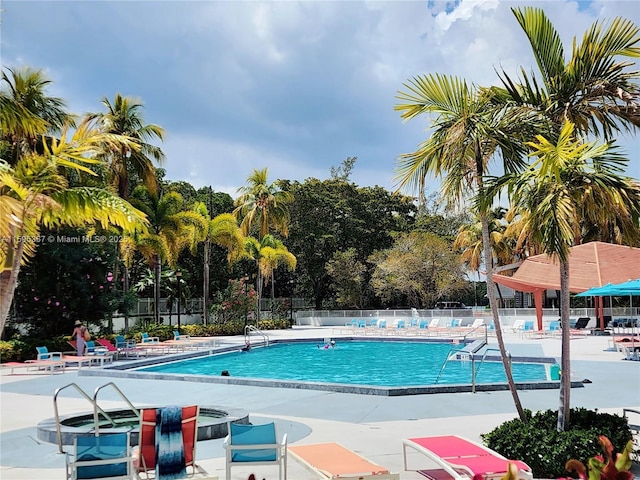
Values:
[(212, 423)]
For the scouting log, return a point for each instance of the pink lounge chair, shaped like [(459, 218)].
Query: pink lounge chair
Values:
[(458, 458)]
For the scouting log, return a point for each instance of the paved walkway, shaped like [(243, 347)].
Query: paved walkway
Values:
[(370, 425)]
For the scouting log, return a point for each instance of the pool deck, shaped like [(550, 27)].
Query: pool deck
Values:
[(373, 426)]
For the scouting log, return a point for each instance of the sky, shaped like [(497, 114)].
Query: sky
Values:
[(296, 87)]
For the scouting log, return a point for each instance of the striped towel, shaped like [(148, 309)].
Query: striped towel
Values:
[(170, 463)]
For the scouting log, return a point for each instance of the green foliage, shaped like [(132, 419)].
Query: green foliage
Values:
[(280, 310), (273, 324), (66, 281), (418, 270), (237, 302), (334, 215), (21, 349), (538, 443)]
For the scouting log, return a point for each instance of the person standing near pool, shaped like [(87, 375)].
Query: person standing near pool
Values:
[(78, 334)]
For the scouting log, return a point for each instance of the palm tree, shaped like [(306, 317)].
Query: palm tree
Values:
[(469, 241), (467, 131), (33, 192), (172, 228), (124, 117), (593, 89), (571, 183), (263, 206), (268, 253), (27, 113), (222, 230), (43, 198)]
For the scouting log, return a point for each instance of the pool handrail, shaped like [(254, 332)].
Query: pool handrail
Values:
[(95, 406), (247, 334)]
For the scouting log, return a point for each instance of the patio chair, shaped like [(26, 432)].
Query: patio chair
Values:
[(157, 443), (249, 445), (334, 461), (45, 354), (518, 326), (179, 336), (100, 457), (460, 459), (110, 347), (147, 339), (127, 347)]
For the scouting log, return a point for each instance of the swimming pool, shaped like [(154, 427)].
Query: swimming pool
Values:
[(406, 364)]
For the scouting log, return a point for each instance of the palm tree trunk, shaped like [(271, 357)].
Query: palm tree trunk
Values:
[(156, 289), (205, 281), (488, 261), (565, 378), (9, 281), (259, 289), (125, 291)]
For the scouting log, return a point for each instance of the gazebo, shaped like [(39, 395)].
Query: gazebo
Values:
[(590, 265)]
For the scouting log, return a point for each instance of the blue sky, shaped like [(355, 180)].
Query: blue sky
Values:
[(293, 86)]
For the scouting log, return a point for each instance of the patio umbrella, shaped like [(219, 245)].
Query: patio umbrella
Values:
[(631, 288)]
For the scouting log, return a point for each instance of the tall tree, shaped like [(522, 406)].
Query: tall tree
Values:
[(419, 267), (173, 228), (222, 230), (594, 90), (124, 117), (262, 206), (571, 183), (466, 133), (27, 113), (45, 200), (268, 253)]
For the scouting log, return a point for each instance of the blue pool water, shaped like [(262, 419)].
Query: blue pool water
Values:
[(389, 364)]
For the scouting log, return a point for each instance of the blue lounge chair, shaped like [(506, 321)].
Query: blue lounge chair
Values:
[(249, 445), (45, 354), (147, 339)]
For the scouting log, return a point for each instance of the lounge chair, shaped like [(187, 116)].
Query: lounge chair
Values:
[(179, 336), (333, 461), (104, 456), (249, 445), (518, 326), (145, 338), (151, 421), (110, 347), (50, 366), (128, 347), (459, 458), (553, 330), (45, 354)]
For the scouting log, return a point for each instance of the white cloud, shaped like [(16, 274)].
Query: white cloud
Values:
[(292, 86)]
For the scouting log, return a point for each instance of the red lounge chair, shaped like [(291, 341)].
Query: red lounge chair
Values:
[(459, 459), (103, 342), (147, 440)]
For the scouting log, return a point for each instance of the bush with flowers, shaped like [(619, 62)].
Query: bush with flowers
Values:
[(236, 302)]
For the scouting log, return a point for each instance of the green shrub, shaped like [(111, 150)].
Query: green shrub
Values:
[(545, 450), (274, 324)]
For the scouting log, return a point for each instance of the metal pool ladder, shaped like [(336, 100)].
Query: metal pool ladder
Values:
[(248, 329), (467, 352), (96, 408)]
